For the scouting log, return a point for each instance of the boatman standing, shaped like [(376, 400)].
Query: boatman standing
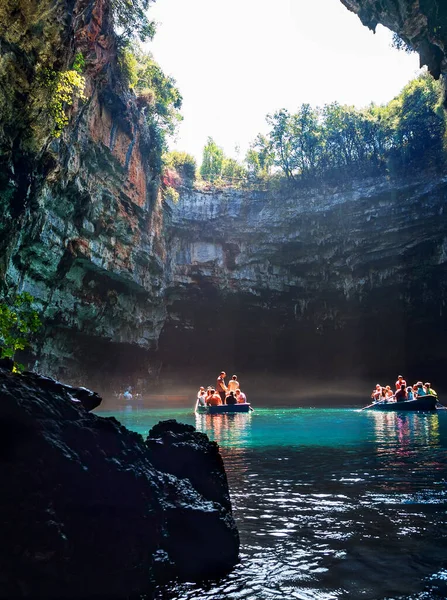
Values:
[(221, 388)]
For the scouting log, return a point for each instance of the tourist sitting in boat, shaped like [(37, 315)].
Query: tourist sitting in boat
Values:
[(400, 381), (128, 393), (201, 396), (389, 394), (240, 397), (377, 393), (401, 394), (420, 391), (233, 384), (429, 389), (410, 393), (231, 398), (208, 394), (214, 399)]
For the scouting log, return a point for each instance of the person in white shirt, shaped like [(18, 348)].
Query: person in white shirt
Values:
[(241, 397), (233, 384), (201, 396)]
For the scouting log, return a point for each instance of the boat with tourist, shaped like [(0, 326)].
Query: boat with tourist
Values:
[(223, 409), (417, 397), (422, 403), (222, 398)]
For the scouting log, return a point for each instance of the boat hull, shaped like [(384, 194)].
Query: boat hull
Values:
[(423, 403), (224, 408)]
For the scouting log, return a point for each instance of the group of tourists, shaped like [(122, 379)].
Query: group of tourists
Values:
[(222, 393), (128, 394), (402, 392)]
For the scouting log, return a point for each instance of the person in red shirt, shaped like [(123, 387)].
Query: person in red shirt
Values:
[(400, 382)]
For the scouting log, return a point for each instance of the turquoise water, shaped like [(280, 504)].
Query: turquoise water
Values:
[(330, 503), (272, 427)]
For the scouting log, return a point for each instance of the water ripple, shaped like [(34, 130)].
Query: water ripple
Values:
[(330, 504)]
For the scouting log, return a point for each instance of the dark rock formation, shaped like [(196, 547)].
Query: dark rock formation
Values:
[(84, 510), (422, 24), (190, 456)]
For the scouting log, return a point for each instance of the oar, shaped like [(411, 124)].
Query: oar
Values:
[(369, 406)]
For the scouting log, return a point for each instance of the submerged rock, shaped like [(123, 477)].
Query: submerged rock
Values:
[(86, 509)]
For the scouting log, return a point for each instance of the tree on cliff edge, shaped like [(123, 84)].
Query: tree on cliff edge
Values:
[(131, 21), (212, 161)]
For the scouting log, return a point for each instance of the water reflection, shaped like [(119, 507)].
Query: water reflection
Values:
[(405, 432), (229, 430), (403, 445)]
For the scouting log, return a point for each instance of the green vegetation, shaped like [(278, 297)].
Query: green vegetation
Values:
[(18, 322), (336, 140), (212, 161), (171, 194), (218, 168), (131, 20), (79, 63), (63, 88), (181, 162), (157, 93), (260, 158), (157, 97), (333, 143)]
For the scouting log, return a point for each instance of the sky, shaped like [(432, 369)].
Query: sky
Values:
[(235, 61)]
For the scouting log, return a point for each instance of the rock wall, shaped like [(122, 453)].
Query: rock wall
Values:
[(81, 224), (337, 281)]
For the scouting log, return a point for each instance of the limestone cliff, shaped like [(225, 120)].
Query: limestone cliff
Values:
[(346, 280), (422, 24), (81, 219)]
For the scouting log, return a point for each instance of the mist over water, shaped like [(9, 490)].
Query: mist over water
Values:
[(265, 390), (331, 503)]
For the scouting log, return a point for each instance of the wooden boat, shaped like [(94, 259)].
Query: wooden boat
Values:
[(422, 403), (224, 408)]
